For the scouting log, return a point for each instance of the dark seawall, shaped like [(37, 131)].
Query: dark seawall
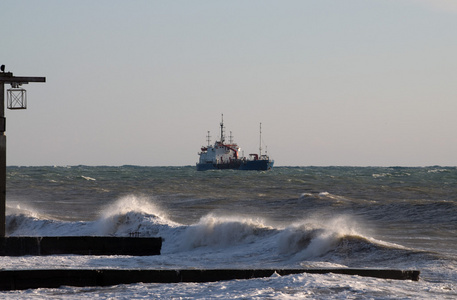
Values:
[(30, 279), (83, 245)]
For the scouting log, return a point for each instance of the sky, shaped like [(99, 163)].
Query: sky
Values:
[(334, 83)]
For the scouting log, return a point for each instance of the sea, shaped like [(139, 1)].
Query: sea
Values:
[(288, 217)]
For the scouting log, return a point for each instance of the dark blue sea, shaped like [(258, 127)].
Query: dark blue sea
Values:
[(288, 217)]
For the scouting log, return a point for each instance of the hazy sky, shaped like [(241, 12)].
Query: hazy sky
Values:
[(356, 82)]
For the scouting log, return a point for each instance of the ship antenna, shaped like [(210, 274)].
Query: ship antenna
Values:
[(222, 130), (231, 138), (260, 144)]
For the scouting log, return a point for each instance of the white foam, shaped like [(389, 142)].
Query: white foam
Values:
[(299, 286)]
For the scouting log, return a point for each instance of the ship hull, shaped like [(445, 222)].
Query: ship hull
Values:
[(257, 165), (250, 165), (221, 166)]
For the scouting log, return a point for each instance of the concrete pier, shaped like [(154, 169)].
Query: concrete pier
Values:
[(83, 245), (31, 279)]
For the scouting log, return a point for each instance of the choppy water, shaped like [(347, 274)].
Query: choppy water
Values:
[(285, 218)]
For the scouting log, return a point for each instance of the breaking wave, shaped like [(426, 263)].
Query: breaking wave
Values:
[(221, 231), (130, 214), (340, 240)]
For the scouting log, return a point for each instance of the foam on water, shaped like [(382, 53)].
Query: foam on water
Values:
[(301, 286)]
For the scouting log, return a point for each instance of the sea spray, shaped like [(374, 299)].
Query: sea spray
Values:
[(23, 219), (131, 214), (134, 203)]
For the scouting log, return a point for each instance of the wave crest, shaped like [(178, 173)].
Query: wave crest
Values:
[(219, 231), (132, 214), (315, 238)]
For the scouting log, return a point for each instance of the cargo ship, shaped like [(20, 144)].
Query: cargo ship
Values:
[(224, 155)]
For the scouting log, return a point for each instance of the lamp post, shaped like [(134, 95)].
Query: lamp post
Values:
[(15, 81)]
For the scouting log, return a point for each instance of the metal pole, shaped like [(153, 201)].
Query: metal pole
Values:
[(2, 162)]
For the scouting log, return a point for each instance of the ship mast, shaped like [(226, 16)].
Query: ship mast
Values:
[(222, 130), (260, 142)]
